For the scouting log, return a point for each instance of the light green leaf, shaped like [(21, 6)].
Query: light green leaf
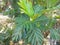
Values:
[(26, 7)]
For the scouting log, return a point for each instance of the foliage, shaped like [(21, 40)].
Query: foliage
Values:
[(31, 27), (26, 7), (33, 22), (11, 8), (55, 34)]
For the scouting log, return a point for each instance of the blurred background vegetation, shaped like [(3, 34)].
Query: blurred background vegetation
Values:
[(29, 22)]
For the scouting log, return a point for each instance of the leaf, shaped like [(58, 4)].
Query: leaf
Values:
[(54, 34), (34, 36), (51, 3), (21, 24), (26, 7), (42, 22), (38, 11)]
